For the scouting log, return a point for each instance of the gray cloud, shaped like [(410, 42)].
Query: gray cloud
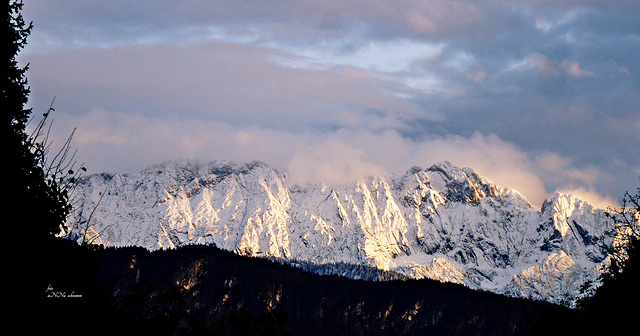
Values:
[(545, 78)]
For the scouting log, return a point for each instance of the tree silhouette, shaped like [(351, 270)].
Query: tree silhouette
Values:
[(37, 188), (14, 83), (615, 302)]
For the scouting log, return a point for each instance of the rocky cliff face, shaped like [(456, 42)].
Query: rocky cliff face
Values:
[(443, 223)]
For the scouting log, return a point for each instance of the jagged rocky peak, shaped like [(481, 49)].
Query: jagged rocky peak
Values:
[(187, 170), (573, 225), (562, 202), (195, 174), (568, 212), (455, 184)]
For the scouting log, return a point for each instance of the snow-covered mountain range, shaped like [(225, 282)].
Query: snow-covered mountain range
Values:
[(442, 222)]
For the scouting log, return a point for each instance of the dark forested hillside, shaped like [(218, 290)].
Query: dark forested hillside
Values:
[(204, 290)]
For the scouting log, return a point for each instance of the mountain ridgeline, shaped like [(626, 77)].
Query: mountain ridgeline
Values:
[(443, 223)]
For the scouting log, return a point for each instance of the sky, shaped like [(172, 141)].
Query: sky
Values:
[(540, 96)]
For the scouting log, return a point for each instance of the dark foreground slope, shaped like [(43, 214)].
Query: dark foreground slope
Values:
[(204, 290)]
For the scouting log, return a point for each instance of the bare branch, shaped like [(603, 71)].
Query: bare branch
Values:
[(84, 237)]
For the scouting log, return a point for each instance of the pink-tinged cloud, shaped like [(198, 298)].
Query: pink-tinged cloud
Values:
[(121, 142)]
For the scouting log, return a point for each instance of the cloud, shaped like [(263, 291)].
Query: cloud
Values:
[(494, 85), (121, 22), (229, 82), (543, 64), (561, 176), (593, 197), (331, 162), (478, 76), (574, 69), (549, 67), (121, 142), (499, 161)]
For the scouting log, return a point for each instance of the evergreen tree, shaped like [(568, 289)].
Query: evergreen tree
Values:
[(614, 306), (37, 196), (35, 203)]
